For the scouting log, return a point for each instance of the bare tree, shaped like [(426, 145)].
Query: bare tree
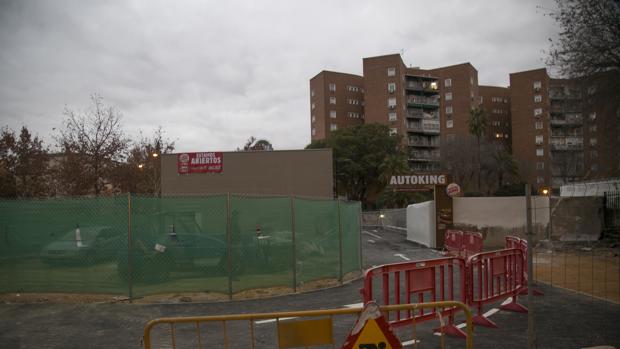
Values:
[(254, 143), (589, 42), (92, 143)]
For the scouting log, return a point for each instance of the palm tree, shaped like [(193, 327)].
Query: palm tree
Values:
[(505, 164), (477, 126)]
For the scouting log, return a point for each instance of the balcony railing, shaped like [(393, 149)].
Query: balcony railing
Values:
[(422, 143), (428, 156), (421, 86), (566, 146), (417, 114), (573, 120), (421, 100)]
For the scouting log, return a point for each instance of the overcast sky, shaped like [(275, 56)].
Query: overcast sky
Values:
[(213, 73)]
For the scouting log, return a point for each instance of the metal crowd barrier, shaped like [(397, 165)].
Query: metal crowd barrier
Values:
[(463, 244), (291, 333), (440, 279), (492, 276)]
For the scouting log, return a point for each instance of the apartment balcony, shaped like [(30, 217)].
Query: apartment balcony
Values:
[(566, 147), (430, 128), (423, 143), (567, 120), (425, 86), (424, 156), (423, 101), (419, 114)]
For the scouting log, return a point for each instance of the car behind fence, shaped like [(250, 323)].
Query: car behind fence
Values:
[(137, 245)]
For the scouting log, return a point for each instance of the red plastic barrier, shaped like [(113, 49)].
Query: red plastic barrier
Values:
[(512, 242), (472, 243), (523, 247), (416, 282), (453, 242), (493, 276)]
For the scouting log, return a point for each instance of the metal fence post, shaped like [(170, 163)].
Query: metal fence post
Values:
[(341, 278), (359, 218), (229, 246), (531, 334), (294, 243), (129, 243)]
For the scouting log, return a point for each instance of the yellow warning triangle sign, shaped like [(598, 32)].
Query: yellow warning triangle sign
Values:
[(371, 331)]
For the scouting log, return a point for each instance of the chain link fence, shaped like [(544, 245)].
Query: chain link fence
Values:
[(390, 218), (222, 244)]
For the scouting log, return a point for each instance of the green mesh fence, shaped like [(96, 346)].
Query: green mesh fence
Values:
[(222, 244)]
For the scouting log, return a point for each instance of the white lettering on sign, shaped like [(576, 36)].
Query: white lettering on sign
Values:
[(418, 179)]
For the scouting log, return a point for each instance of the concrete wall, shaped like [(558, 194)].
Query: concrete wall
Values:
[(421, 224), (497, 217), (285, 172)]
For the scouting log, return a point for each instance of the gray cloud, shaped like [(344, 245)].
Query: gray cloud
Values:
[(213, 73)]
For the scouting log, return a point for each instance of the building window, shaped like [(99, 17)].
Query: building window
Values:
[(537, 111), (392, 87), (539, 139), (592, 116), (332, 114), (481, 99), (392, 116), (540, 165), (540, 180), (353, 101), (594, 167), (333, 127), (449, 124), (313, 131), (593, 128), (447, 82), (332, 87), (312, 93), (448, 96), (538, 125), (593, 154), (537, 98), (471, 80), (352, 88), (313, 118), (312, 106), (392, 102), (393, 131), (591, 90), (540, 152), (332, 100), (449, 109), (593, 141), (391, 71), (537, 85)]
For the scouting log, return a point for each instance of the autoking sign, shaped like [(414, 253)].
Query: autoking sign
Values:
[(418, 181)]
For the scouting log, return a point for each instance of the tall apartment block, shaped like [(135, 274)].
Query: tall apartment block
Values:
[(336, 101), (407, 100), (560, 133), (459, 94), (495, 101)]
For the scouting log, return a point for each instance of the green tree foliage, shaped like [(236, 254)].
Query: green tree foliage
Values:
[(92, 143), (364, 157), (23, 165), (589, 41)]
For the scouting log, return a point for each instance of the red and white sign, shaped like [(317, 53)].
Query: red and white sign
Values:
[(453, 190), (200, 162)]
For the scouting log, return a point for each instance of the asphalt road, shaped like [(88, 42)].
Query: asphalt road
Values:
[(563, 319)]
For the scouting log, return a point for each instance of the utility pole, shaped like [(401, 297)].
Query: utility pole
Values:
[(531, 333)]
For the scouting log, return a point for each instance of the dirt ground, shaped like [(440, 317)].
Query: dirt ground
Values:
[(190, 297), (591, 271)]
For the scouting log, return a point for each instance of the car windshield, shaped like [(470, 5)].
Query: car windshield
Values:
[(88, 234)]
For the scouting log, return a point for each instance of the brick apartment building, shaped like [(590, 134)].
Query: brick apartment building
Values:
[(560, 132), (555, 131)]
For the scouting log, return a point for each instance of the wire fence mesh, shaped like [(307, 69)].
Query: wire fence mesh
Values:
[(390, 218), (225, 244)]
